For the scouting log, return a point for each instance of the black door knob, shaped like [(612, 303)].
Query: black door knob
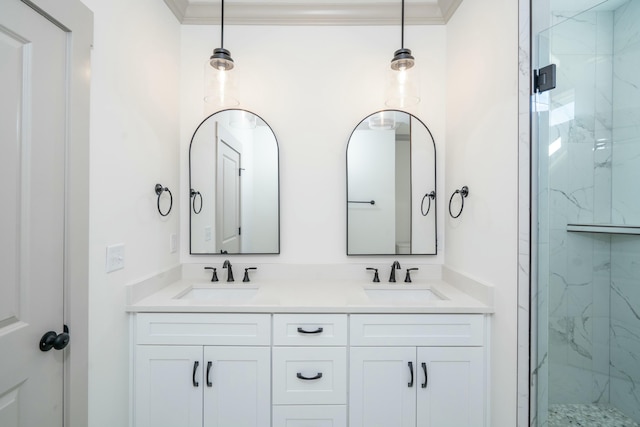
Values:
[(53, 340)]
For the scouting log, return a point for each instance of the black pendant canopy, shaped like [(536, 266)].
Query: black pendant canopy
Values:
[(402, 58), (221, 58)]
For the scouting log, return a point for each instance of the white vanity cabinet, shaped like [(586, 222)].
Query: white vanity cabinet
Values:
[(309, 370), (202, 370), (417, 370)]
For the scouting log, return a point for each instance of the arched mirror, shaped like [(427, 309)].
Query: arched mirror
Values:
[(234, 186), (391, 186)]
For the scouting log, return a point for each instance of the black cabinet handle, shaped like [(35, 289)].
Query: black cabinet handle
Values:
[(193, 377), (302, 377), (317, 331), (411, 370), (209, 383), (426, 377)]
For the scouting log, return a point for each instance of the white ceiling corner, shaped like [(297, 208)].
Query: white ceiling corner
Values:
[(314, 12)]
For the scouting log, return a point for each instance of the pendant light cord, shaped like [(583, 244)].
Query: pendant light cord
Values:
[(402, 30), (222, 25)]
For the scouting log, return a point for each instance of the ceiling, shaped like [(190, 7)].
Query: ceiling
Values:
[(313, 12)]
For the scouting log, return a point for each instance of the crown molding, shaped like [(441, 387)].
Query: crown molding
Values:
[(254, 13)]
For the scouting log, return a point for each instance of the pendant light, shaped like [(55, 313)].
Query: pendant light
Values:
[(220, 88), (403, 89)]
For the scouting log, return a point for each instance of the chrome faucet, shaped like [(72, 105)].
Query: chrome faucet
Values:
[(394, 266), (227, 265)]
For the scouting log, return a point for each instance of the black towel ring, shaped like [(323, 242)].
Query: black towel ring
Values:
[(195, 194), (431, 196), (464, 192), (159, 190)]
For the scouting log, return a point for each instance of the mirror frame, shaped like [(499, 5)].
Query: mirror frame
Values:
[(190, 187), (435, 185)]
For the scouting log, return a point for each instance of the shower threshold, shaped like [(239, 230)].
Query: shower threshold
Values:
[(585, 415)]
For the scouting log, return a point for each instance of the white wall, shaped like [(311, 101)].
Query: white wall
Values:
[(313, 85), (482, 144), (134, 145)]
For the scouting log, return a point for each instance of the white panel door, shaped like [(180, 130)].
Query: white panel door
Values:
[(237, 389), (382, 393), (451, 394), (168, 386), (33, 61), (228, 194)]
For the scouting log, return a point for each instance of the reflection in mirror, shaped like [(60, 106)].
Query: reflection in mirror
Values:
[(234, 186), (391, 184)]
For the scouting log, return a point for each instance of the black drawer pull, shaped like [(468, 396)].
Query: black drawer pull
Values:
[(317, 331), (193, 377), (410, 370), (426, 377), (302, 377), (209, 383)]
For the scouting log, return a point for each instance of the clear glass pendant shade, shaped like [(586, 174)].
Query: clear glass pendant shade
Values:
[(403, 87), (219, 86)]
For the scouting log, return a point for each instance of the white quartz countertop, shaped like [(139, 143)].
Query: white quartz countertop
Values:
[(311, 296)]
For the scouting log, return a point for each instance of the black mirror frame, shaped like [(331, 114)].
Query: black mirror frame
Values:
[(435, 183), (191, 187)]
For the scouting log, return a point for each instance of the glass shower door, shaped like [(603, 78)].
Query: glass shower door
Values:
[(587, 361)]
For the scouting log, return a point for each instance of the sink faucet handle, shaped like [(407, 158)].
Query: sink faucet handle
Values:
[(246, 273), (214, 277), (407, 278), (376, 279)]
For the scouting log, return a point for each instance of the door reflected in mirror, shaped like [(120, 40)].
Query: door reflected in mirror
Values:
[(391, 184), (234, 186)]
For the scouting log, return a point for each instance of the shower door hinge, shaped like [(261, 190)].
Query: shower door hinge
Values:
[(544, 79), (239, 231)]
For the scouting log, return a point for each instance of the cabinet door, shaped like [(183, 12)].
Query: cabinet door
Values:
[(168, 386), (237, 386), (382, 393), (452, 392)]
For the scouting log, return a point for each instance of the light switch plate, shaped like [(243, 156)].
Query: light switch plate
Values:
[(207, 233), (173, 243), (115, 257)]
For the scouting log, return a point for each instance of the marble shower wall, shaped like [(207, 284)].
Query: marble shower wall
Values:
[(579, 191), (589, 284), (625, 250), (626, 114)]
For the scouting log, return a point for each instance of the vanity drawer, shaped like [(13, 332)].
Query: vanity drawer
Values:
[(203, 329), (309, 375), (309, 416), (310, 329), (417, 330)]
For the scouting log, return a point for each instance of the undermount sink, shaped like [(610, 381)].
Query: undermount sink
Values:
[(402, 295), (221, 294)]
